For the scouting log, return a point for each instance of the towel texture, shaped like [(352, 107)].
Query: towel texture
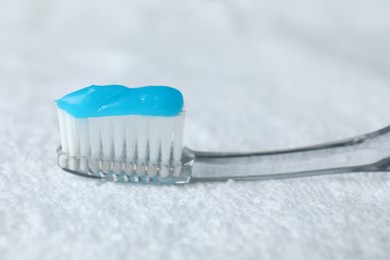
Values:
[(256, 75)]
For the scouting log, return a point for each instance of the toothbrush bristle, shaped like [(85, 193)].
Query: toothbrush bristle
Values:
[(126, 148)]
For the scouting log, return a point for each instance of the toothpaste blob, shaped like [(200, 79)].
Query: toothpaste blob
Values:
[(117, 100)]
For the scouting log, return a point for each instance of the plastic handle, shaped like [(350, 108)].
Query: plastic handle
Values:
[(366, 153)]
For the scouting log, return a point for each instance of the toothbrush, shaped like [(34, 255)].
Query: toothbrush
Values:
[(135, 135)]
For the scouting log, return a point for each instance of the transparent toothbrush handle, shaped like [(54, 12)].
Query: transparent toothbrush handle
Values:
[(366, 153)]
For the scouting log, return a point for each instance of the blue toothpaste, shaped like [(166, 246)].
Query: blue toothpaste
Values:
[(117, 100)]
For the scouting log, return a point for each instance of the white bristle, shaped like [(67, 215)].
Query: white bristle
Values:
[(106, 137), (118, 131), (63, 134), (119, 141), (72, 135), (82, 128), (178, 142), (130, 137), (142, 138), (166, 129), (94, 136), (154, 138)]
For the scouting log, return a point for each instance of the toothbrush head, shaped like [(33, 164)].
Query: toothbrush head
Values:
[(123, 134)]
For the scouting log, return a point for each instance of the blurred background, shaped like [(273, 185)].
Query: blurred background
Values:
[(303, 63), (256, 75)]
